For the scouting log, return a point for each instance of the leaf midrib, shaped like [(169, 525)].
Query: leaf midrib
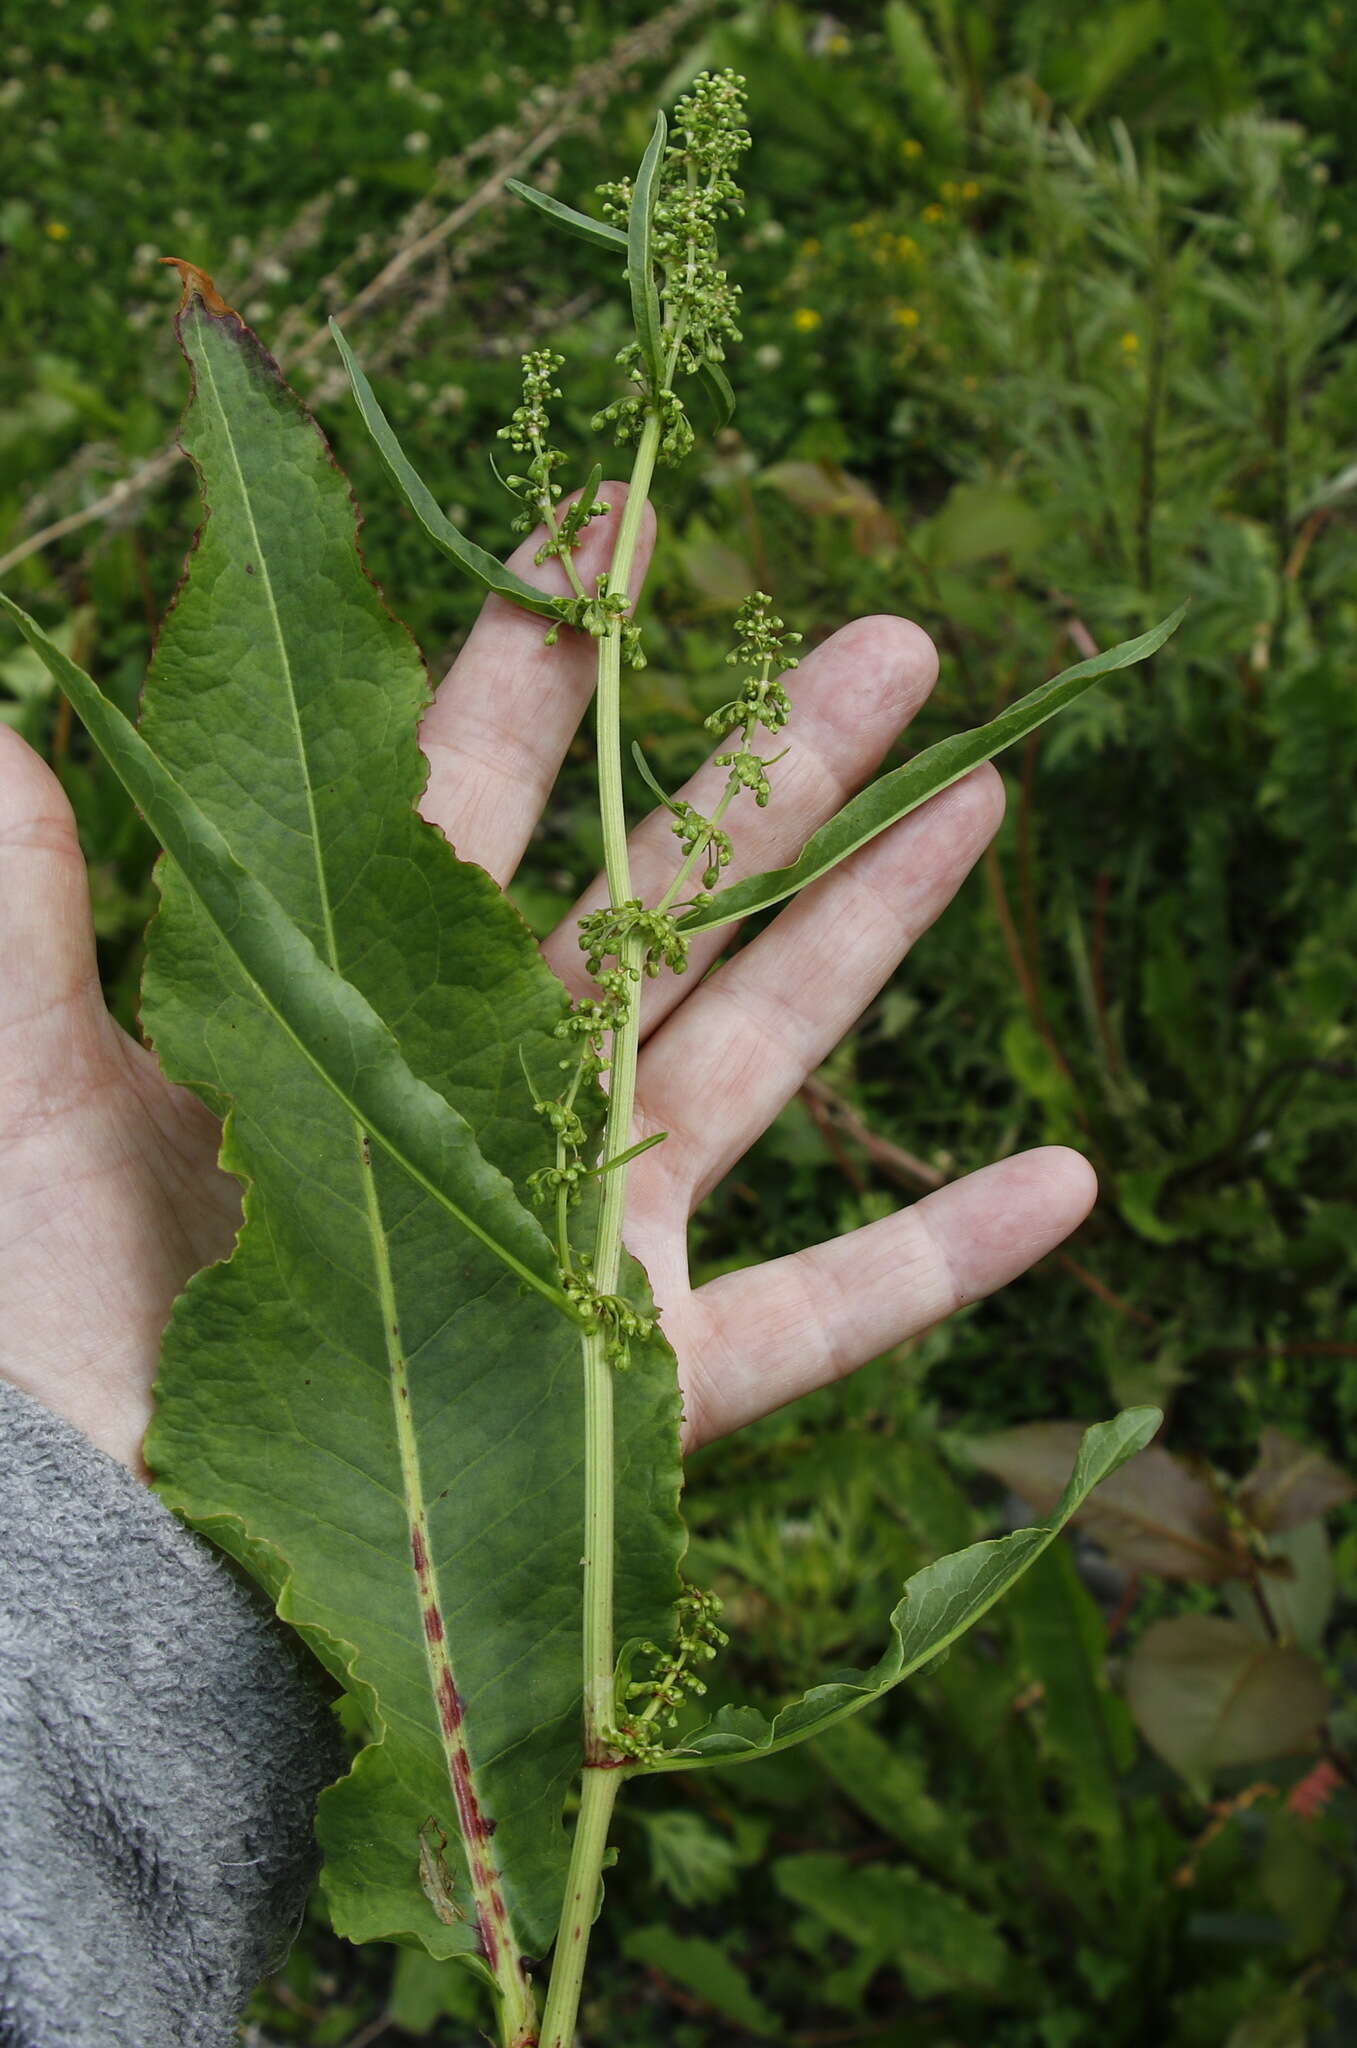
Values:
[(414, 1499)]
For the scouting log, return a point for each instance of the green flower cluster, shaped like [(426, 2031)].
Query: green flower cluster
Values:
[(603, 933), (760, 640), (698, 1637), (699, 304), (618, 1321), (527, 434), (597, 614), (696, 833)]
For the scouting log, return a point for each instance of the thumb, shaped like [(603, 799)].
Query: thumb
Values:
[(53, 1025)]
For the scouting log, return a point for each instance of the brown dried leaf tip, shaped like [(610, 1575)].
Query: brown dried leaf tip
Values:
[(198, 284)]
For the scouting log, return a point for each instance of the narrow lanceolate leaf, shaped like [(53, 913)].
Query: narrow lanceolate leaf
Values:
[(718, 388), (905, 788), (364, 1405), (645, 296), (940, 1603), (568, 217), (486, 568)]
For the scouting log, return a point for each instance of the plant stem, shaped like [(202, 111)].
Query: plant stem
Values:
[(601, 1766), (598, 1386), (609, 711), (581, 1900)]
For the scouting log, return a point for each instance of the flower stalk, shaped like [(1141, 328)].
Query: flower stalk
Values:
[(688, 188)]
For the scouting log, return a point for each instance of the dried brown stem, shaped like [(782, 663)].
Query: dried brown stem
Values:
[(574, 105)]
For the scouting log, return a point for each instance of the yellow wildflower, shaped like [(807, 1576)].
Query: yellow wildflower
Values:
[(859, 228), (905, 316), (810, 247), (58, 231), (970, 190), (806, 318), (935, 213), (1130, 343), (910, 148), (906, 247)]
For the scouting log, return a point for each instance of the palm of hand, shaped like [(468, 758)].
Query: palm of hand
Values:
[(110, 1195)]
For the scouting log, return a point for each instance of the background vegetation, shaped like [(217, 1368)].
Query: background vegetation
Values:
[(1049, 325)]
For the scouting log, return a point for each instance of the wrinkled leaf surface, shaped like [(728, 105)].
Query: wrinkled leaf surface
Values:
[(363, 1405)]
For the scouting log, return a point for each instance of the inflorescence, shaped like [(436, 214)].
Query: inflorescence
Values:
[(695, 191), (649, 1706)]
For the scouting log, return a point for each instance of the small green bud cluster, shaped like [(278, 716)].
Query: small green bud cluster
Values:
[(563, 1181), (527, 434), (571, 525), (748, 771), (627, 416), (567, 1178), (697, 191), (591, 1016), (761, 640), (603, 933), (693, 831), (619, 1322), (589, 1021), (569, 1171), (531, 422), (697, 1640), (563, 1120), (597, 615)]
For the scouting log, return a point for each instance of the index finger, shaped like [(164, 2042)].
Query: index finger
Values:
[(497, 731)]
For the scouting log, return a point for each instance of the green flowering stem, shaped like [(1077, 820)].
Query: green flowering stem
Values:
[(609, 707), (674, 892), (564, 555), (598, 1796), (602, 1774), (598, 1388), (680, 318)]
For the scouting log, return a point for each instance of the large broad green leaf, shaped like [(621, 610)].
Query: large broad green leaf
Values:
[(895, 795), (478, 562), (328, 1022), (365, 1405), (939, 1604)]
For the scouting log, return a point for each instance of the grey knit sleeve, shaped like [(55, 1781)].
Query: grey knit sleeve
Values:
[(162, 1743)]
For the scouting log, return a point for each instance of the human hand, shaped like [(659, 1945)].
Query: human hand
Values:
[(110, 1195)]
